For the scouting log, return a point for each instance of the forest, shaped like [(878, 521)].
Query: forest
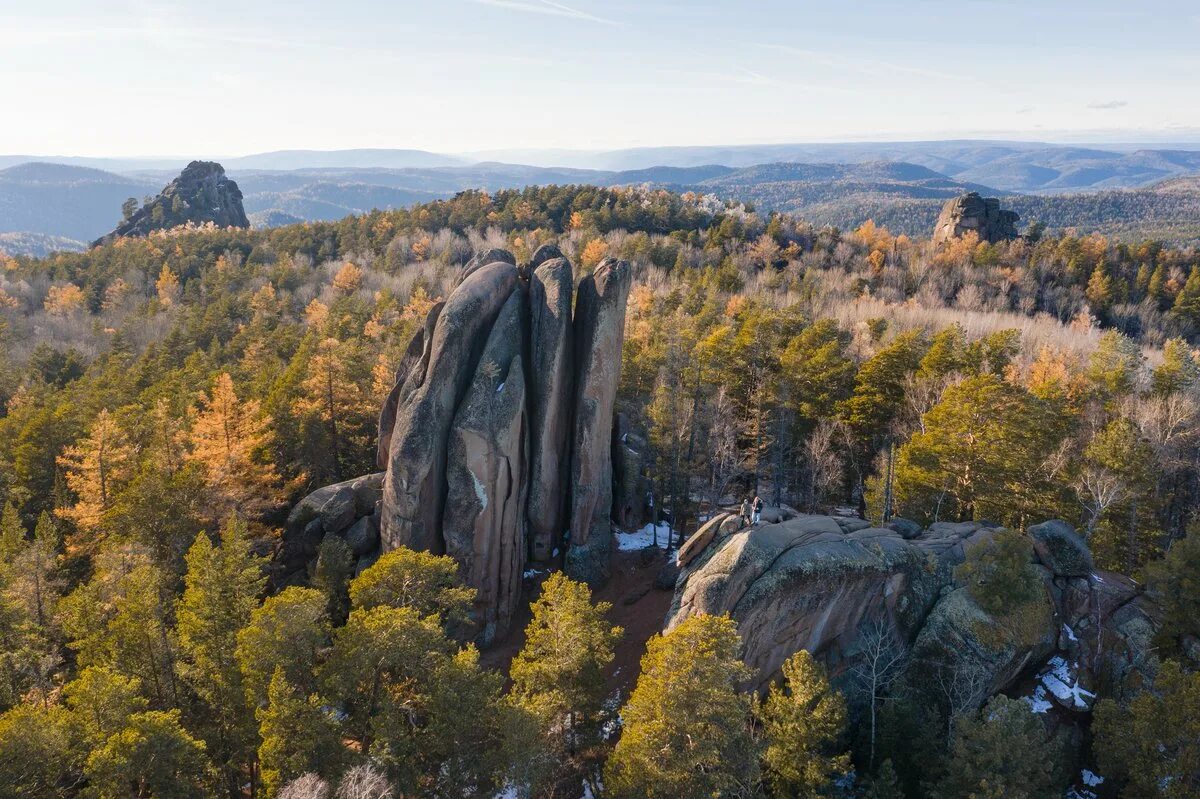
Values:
[(167, 399)]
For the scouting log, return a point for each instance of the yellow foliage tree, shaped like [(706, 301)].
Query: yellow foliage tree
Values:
[(593, 253), (167, 286), (227, 439), (316, 313), (64, 300), (348, 279), (95, 467)]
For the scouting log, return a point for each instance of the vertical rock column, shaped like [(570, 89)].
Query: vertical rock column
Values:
[(413, 491), (487, 467), (599, 333), (550, 290)]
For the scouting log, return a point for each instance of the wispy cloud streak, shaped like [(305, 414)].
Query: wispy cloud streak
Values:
[(547, 7)]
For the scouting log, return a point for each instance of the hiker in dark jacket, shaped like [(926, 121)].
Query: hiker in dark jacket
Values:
[(758, 506)]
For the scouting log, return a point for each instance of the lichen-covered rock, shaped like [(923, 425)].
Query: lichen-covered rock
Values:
[(201, 194), (550, 400), (804, 584), (964, 654), (1061, 549), (971, 212), (599, 332), (484, 520), (413, 489)]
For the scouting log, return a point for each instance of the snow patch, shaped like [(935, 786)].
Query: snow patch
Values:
[(644, 537), (531, 573), (1038, 703), (1069, 633), (1090, 778), (1059, 678), (499, 388)]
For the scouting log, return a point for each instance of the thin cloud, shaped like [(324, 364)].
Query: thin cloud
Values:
[(1109, 105), (547, 7), (862, 66)]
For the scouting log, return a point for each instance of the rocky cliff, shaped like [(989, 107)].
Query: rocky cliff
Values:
[(826, 584), (970, 212), (201, 194), (495, 441)]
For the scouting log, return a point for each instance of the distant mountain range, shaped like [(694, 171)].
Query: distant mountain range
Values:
[(899, 184)]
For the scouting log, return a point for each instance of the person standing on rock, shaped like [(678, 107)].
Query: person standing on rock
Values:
[(758, 506), (746, 511)]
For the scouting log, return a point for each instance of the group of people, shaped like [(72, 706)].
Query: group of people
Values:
[(752, 510)]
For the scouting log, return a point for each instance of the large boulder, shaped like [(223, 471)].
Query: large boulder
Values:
[(805, 584), (202, 194), (413, 489), (1061, 549), (599, 332), (484, 520), (550, 400), (971, 212), (963, 654)]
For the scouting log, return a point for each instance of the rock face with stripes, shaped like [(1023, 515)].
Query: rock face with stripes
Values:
[(599, 334), (414, 488), (551, 287), (496, 438)]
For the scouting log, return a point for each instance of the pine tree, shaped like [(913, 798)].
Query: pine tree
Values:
[(101, 699), (334, 394), (227, 439), (559, 673), (119, 620), (298, 736), (686, 727), (284, 636), (1001, 753), (422, 581), (12, 534), (332, 576), (1153, 745), (1174, 582), (1187, 302), (802, 722), (152, 756), (95, 469), (221, 589)]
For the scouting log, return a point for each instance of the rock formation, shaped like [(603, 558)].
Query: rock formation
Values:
[(200, 194), (495, 438), (551, 287), (819, 583), (414, 489), (971, 212), (599, 333), (483, 524)]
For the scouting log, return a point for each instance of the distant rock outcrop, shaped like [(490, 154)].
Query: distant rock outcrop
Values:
[(971, 212), (201, 194), (496, 438)]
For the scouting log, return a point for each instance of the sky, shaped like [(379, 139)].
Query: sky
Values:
[(224, 78)]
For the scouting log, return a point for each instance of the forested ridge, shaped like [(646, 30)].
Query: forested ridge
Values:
[(166, 399)]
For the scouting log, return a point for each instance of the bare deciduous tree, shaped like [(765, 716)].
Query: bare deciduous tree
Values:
[(364, 782), (306, 786), (881, 659)]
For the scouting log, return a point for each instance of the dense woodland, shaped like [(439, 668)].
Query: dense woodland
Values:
[(166, 399)]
